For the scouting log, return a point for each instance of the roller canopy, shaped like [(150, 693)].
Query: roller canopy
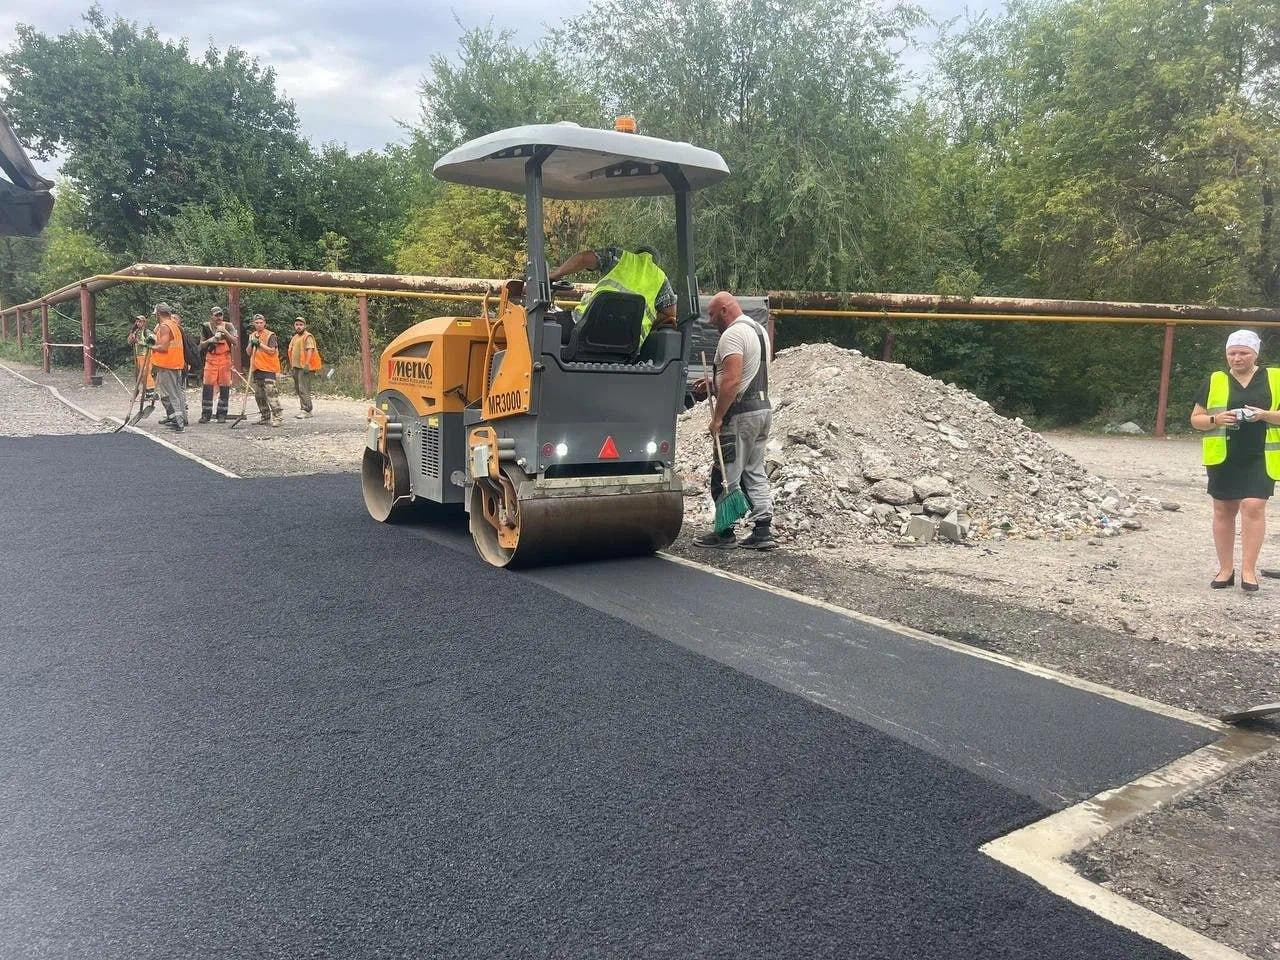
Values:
[(581, 163)]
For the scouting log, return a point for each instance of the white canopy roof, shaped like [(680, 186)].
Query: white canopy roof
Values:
[(586, 163)]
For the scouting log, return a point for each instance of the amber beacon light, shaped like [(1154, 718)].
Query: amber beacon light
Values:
[(625, 124)]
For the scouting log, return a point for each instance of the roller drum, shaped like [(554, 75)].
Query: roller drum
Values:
[(560, 529)]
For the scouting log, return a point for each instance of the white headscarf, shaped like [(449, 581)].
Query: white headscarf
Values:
[(1245, 338)]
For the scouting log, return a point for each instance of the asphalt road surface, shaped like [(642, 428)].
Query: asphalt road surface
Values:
[(238, 718)]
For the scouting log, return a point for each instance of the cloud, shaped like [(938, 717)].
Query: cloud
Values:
[(352, 69)]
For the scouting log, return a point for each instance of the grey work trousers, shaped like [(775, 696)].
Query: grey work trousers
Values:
[(743, 438), (169, 386), (302, 384)]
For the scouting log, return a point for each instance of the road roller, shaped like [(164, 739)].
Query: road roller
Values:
[(555, 430)]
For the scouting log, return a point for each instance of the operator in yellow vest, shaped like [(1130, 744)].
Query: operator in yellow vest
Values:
[(1239, 413), (629, 272)]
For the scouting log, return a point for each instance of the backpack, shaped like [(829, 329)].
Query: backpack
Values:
[(192, 356)]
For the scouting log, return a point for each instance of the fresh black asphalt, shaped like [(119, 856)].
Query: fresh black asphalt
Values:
[(238, 718)]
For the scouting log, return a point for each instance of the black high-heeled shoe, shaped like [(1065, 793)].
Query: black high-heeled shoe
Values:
[(1229, 582)]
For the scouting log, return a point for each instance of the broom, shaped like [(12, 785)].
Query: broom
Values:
[(733, 504)]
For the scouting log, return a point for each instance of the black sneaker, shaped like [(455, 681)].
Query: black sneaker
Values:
[(760, 538), (716, 541), (221, 418), (165, 421), (204, 418), (176, 426)]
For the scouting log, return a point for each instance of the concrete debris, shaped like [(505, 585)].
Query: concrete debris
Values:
[(892, 491), (930, 486), (921, 529), (864, 451), (955, 527), (1128, 427)]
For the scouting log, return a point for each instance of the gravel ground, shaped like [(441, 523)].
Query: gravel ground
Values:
[(1210, 861), (1130, 612), (27, 411)]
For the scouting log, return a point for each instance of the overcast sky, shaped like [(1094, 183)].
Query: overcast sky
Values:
[(352, 69)]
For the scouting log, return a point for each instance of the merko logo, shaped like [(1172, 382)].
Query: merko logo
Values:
[(409, 370)]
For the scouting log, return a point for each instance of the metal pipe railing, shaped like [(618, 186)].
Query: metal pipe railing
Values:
[(878, 306)]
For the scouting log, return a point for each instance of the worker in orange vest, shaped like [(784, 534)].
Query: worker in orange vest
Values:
[(304, 361), (219, 340), (168, 360), (264, 369)]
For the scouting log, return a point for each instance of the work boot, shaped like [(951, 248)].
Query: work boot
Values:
[(277, 422), (716, 541), (205, 418), (304, 415), (760, 538), (176, 425), (221, 418)]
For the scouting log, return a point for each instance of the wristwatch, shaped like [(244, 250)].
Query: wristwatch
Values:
[(1213, 419)]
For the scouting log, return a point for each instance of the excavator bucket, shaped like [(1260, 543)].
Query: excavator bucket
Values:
[(26, 202)]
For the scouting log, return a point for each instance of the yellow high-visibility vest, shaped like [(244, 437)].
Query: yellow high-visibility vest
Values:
[(633, 273), (1213, 446)]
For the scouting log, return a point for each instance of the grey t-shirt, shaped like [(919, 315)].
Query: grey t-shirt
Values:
[(741, 338)]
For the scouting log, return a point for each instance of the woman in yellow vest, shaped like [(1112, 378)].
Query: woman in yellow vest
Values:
[(1239, 413)]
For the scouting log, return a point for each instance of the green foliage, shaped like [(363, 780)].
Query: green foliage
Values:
[(464, 232), (799, 97), (362, 197), (145, 128), (1100, 149), (494, 84), (19, 268), (70, 251)]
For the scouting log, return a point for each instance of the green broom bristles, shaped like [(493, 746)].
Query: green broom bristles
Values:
[(731, 508)]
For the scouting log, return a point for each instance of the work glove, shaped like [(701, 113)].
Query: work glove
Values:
[(149, 339), (255, 342)]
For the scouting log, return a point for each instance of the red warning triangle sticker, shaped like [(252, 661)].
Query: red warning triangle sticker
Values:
[(608, 450)]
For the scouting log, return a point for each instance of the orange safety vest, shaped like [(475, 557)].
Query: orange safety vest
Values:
[(218, 350), (171, 357), (298, 345), (262, 361)]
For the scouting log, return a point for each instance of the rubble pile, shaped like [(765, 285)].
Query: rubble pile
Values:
[(876, 453)]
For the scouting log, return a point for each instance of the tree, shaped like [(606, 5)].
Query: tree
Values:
[(70, 252), (362, 197), (799, 97), (146, 129), (465, 232), (494, 84)]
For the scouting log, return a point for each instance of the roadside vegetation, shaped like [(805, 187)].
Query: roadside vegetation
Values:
[(1098, 149)]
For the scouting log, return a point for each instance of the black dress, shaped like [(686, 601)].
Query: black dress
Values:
[(1243, 475)]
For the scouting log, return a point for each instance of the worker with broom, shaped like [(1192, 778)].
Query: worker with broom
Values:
[(264, 368), (141, 359), (740, 420)]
